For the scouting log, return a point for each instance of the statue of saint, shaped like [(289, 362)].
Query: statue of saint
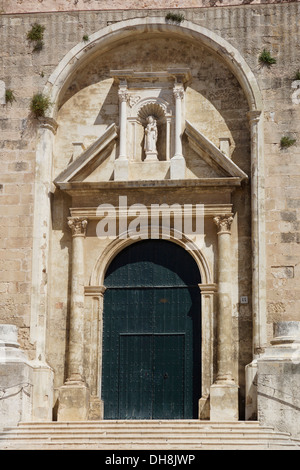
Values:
[(150, 139)]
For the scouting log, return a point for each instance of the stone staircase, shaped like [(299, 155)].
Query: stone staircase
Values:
[(145, 435)]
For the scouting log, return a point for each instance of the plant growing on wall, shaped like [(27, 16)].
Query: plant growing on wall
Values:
[(176, 17), (266, 58), (297, 75), (9, 96), (40, 104), (36, 35), (85, 38), (286, 142)]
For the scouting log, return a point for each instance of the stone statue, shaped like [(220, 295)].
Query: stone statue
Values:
[(151, 138)]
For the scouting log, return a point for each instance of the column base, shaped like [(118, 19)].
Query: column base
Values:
[(224, 402), (42, 399), (121, 169), (203, 406), (251, 391), (73, 402), (177, 167), (96, 409)]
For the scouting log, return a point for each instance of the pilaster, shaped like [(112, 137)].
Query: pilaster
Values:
[(177, 164), (121, 163)]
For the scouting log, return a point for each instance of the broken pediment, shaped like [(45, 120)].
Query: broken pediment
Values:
[(204, 162), (91, 158), (149, 144), (214, 157)]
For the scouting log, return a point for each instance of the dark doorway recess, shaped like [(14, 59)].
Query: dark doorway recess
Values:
[(151, 364)]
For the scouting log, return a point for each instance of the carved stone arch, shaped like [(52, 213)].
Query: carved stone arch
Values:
[(118, 244), (105, 38), (207, 289)]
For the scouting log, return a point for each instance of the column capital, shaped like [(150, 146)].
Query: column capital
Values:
[(254, 116), (178, 91), (78, 226), (48, 123), (223, 222), (94, 291), (123, 93), (208, 288)]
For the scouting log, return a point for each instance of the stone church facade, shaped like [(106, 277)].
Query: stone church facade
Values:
[(149, 241)]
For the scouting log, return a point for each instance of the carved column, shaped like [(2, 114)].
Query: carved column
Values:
[(224, 393), (177, 168), (178, 94), (123, 95), (121, 164), (74, 395), (78, 227)]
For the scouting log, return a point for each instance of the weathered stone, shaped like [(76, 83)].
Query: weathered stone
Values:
[(279, 380), (214, 147)]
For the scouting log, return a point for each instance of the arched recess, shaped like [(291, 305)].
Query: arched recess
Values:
[(55, 88), (206, 287)]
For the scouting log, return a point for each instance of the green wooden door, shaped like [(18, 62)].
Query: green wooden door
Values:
[(151, 376), (151, 334)]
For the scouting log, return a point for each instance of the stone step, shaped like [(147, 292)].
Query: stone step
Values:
[(144, 435), (158, 445), (133, 432), (152, 422), (141, 435)]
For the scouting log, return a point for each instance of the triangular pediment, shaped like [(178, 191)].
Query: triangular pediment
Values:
[(208, 162), (218, 161), (91, 159)]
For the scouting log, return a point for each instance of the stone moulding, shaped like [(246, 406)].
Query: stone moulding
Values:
[(210, 210)]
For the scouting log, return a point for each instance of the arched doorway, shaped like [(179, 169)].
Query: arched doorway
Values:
[(152, 333)]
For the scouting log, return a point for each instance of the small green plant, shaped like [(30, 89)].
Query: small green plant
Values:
[(85, 38), (176, 17), (266, 58), (40, 104), (9, 96), (36, 35), (297, 75), (286, 142)]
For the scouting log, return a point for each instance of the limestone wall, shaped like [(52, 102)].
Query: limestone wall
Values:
[(249, 28), (29, 6)]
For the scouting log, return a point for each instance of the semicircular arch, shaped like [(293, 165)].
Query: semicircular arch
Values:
[(118, 244), (112, 35)]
